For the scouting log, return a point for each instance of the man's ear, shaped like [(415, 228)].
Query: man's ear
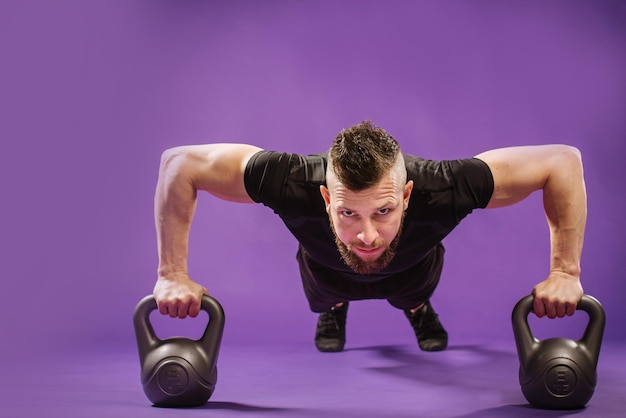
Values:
[(326, 196), (408, 188)]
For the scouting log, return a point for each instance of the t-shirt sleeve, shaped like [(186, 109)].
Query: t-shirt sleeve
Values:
[(265, 176), (473, 184), (447, 191), (287, 183)]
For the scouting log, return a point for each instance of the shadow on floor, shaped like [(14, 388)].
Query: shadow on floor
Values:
[(518, 411), (471, 367), (241, 407)]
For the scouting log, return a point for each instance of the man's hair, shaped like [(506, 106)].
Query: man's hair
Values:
[(362, 154)]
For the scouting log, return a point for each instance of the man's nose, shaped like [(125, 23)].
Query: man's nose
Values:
[(368, 233)]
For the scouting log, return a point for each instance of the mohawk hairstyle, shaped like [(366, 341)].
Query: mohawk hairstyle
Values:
[(362, 154)]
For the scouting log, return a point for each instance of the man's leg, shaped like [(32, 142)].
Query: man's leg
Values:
[(411, 293), (328, 296)]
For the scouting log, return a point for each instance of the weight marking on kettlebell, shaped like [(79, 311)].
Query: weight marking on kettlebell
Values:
[(561, 380), (173, 379)]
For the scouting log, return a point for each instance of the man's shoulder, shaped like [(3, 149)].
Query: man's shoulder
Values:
[(296, 167), (311, 168), (427, 175), (434, 175), (287, 182)]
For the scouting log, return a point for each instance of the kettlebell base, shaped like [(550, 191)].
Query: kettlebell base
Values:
[(556, 407), (176, 405), (559, 384), (542, 400), (189, 399), (174, 383)]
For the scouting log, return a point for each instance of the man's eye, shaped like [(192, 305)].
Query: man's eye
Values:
[(347, 213), (383, 211)]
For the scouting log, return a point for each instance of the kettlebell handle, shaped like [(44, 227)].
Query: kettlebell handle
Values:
[(592, 336), (147, 339)]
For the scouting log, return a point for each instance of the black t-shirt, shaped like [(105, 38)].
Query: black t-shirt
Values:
[(444, 192)]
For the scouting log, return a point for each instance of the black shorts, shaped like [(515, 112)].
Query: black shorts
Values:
[(324, 288)]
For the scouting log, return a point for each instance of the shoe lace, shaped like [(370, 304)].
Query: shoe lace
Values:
[(421, 318), (329, 322)]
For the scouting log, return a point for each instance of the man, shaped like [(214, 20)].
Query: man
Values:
[(369, 220)]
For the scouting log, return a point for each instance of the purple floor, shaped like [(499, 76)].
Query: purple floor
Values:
[(297, 381)]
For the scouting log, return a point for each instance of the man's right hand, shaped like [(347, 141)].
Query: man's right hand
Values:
[(178, 296)]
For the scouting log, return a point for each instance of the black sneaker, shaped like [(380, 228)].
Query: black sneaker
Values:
[(330, 335), (429, 332)]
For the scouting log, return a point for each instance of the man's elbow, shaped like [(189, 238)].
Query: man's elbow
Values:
[(568, 156), (171, 155), (176, 161), (179, 154)]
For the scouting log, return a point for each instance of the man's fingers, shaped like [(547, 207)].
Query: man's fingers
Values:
[(173, 310), (539, 308), (560, 309), (570, 308), (196, 305), (553, 309), (181, 308), (179, 311), (190, 308), (194, 308)]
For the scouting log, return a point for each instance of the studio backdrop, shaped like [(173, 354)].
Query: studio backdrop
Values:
[(92, 92)]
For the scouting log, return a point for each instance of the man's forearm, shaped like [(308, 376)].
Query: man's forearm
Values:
[(565, 203), (174, 208)]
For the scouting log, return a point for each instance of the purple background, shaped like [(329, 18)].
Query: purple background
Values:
[(91, 93)]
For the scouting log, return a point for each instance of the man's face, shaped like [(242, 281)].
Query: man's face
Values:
[(366, 224)]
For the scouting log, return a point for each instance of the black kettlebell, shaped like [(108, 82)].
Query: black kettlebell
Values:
[(558, 373), (178, 371)]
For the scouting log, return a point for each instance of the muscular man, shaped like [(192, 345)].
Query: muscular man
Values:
[(369, 220)]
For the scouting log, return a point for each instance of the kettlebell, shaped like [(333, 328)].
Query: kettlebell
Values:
[(558, 373), (178, 371)]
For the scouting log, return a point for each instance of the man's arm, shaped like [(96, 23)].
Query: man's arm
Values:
[(215, 168), (558, 171)]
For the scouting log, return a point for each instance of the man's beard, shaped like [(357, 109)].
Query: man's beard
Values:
[(367, 267)]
